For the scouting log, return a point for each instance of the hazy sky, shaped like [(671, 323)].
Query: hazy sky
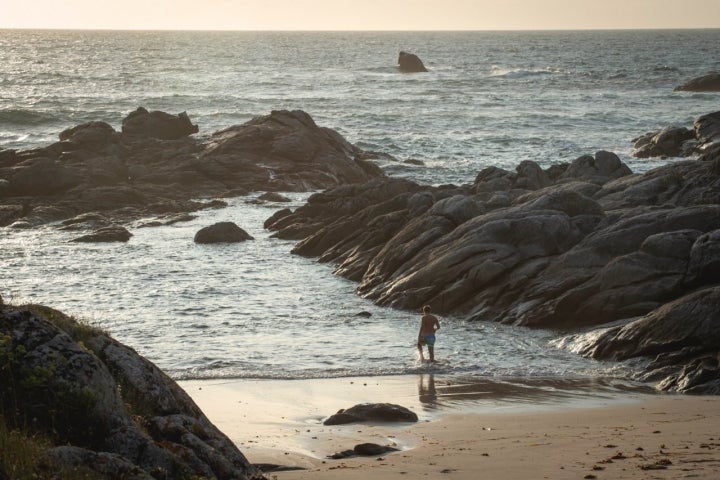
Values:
[(359, 14)]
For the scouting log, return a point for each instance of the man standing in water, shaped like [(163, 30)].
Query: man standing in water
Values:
[(428, 326)]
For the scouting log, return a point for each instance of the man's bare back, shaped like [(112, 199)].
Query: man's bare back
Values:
[(429, 324)]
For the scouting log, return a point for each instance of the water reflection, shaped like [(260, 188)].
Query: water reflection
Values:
[(452, 391), (426, 391)]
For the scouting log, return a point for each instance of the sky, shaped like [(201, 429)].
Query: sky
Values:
[(359, 14)]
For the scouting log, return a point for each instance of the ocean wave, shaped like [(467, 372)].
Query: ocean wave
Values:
[(22, 117), (517, 73)]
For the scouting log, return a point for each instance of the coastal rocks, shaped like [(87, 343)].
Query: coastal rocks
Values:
[(158, 124), (222, 232), (114, 233), (705, 83), (286, 151), (40, 177), (669, 142), (152, 167), (681, 338), (571, 245), (103, 406), (375, 412), (678, 141), (410, 63)]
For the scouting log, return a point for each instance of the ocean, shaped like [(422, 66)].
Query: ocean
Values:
[(255, 311)]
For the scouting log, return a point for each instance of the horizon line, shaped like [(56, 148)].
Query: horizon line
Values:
[(604, 29)]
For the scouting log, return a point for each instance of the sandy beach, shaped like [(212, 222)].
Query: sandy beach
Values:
[(466, 430)]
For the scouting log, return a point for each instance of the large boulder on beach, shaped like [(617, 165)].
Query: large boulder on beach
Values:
[(372, 412), (158, 124), (222, 232), (705, 83), (410, 63), (104, 408)]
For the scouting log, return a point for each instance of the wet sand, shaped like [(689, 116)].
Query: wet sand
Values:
[(469, 429)]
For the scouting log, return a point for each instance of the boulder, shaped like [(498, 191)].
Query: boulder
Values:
[(113, 233), (372, 412), (222, 232), (273, 197), (158, 124), (668, 142), (705, 83), (65, 379), (410, 63)]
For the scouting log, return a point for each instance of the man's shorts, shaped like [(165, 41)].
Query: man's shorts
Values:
[(428, 340)]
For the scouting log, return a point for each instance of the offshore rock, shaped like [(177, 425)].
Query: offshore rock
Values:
[(222, 232), (153, 167), (410, 63), (112, 233), (103, 406), (705, 83)]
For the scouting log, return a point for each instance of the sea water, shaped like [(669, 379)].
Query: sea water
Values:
[(253, 310)]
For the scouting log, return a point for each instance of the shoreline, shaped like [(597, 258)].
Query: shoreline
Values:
[(279, 422)]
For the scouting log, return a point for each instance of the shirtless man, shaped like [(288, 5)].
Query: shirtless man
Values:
[(428, 326)]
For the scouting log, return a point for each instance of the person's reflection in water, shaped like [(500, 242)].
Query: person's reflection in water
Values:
[(427, 392)]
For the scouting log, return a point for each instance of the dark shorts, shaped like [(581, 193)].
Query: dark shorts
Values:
[(427, 340)]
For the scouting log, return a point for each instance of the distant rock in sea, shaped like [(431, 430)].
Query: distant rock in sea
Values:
[(706, 83), (410, 63)]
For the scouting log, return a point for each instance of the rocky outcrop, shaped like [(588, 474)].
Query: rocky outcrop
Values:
[(153, 167), (678, 141), (372, 412), (222, 232), (158, 124), (410, 63), (103, 406), (113, 233), (681, 339), (569, 246), (705, 83)]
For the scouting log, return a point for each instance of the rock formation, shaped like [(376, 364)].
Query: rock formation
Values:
[(706, 83), (377, 412), (158, 124), (153, 167), (222, 232), (677, 141), (102, 406), (106, 234), (410, 63), (570, 246)]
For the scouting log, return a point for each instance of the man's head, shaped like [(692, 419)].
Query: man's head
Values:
[(426, 309)]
